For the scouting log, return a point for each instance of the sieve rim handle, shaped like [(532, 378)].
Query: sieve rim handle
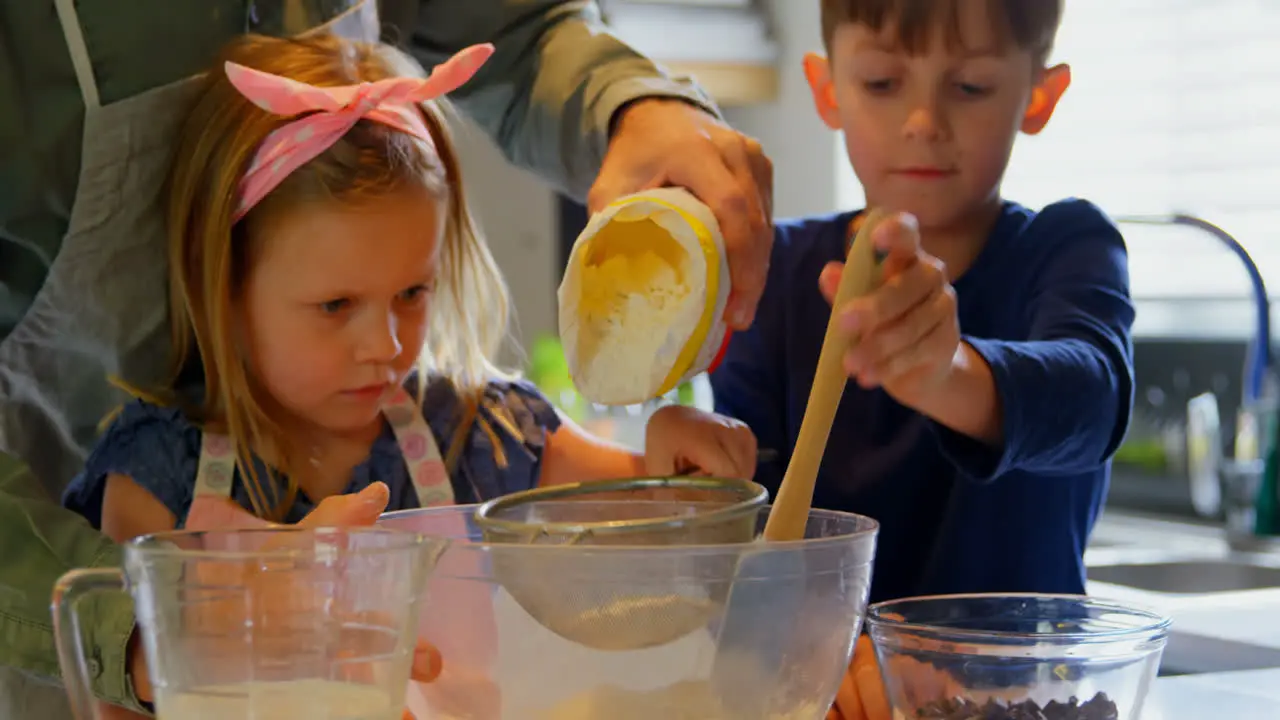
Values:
[(753, 499)]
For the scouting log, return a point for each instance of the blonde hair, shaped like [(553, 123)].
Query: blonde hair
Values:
[(208, 254)]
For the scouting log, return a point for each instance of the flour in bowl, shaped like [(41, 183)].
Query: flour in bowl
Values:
[(688, 700)]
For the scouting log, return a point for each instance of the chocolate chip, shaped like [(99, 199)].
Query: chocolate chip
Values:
[(1099, 707)]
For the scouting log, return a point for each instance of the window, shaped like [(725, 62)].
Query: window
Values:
[(1174, 107)]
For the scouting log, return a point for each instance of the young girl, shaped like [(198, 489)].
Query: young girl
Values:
[(335, 314)]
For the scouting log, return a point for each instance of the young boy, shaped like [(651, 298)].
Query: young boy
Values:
[(992, 379)]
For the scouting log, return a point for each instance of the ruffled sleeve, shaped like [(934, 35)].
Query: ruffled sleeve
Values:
[(534, 415), (514, 414), (157, 447)]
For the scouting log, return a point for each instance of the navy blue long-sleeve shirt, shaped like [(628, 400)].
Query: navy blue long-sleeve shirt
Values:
[(1046, 304)]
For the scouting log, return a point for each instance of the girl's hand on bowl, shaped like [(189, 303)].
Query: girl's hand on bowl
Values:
[(682, 440)]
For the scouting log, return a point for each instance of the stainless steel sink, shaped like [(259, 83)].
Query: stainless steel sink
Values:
[(1191, 573), (1190, 654), (1190, 577)]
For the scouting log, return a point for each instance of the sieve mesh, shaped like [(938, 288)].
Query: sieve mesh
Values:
[(656, 596)]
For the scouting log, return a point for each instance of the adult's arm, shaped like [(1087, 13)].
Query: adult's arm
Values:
[(554, 86), (39, 541)]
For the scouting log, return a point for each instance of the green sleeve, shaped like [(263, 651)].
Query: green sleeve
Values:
[(550, 92), (40, 542)]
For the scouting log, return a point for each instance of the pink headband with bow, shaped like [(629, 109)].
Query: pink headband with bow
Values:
[(332, 111)]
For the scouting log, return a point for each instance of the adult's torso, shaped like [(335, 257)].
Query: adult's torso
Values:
[(134, 47), (92, 96), (85, 151)]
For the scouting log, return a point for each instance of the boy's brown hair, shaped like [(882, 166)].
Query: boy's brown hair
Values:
[(1029, 24)]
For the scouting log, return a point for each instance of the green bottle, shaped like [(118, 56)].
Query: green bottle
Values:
[(549, 371), (684, 394)]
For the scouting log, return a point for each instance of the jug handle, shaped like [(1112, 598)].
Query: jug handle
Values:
[(67, 593)]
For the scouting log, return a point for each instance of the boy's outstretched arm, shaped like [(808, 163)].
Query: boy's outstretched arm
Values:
[(1059, 402), (968, 401)]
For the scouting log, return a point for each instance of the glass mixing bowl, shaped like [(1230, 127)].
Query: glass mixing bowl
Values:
[(501, 664), (1016, 657)]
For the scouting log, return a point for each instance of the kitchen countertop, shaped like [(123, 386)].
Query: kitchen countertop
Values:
[(1213, 629), (1247, 695)]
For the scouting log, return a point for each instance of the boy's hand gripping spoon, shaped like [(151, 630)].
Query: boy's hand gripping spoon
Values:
[(768, 590)]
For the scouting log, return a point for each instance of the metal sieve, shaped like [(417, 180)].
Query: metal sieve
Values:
[(665, 589)]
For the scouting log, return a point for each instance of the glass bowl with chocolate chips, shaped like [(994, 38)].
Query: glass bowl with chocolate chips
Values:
[(1016, 657)]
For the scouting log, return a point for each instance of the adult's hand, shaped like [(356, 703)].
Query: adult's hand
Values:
[(665, 143)]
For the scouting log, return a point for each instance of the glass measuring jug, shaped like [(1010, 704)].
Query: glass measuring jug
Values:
[(261, 624)]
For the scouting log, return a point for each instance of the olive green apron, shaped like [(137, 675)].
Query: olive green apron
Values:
[(103, 308)]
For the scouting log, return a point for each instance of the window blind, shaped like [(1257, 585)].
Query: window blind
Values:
[(720, 31), (1174, 107)]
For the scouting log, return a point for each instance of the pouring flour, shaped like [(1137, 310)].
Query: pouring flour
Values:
[(643, 297)]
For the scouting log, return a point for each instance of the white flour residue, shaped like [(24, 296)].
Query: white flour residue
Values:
[(640, 279), (634, 313)]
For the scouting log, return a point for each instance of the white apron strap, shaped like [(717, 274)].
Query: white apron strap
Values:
[(420, 450), (74, 35), (417, 444), (217, 466)]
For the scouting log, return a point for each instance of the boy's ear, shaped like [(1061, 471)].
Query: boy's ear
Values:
[(1045, 95), (818, 72)]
